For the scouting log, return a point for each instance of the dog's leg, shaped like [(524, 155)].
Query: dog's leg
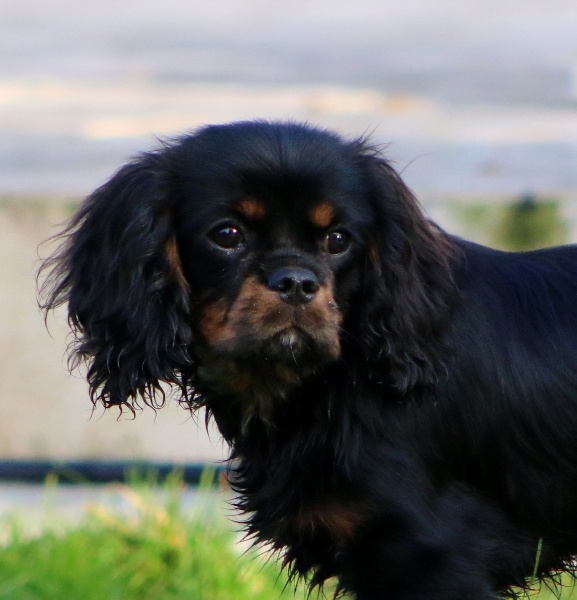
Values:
[(454, 549)]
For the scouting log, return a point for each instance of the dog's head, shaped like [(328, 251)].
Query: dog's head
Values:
[(247, 257)]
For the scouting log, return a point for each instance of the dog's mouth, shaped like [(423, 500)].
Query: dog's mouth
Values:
[(296, 346), (290, 341), (259, 327)]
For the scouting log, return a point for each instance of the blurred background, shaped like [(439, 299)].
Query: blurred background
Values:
[(475, 100)]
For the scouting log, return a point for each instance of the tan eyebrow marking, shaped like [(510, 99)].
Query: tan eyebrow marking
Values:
[(322, 215), (251, 208)]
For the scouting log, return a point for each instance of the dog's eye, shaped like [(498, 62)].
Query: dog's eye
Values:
[(227, 236), (337, 242)]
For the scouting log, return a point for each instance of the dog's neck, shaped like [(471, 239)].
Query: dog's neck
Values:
[(246, 397)]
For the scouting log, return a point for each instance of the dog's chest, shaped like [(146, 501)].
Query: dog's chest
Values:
[(338, 519)]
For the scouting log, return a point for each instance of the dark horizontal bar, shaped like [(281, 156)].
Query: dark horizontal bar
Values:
[(85, 471)]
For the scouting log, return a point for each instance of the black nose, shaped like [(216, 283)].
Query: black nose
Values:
[(294, 284)]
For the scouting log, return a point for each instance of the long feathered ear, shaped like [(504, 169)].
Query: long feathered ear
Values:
[(409, 287), (119, 273)]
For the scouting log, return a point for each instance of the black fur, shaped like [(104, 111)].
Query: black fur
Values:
[(412, 430)]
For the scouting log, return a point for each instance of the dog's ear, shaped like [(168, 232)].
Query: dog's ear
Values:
[(409, 287), (119, 272)]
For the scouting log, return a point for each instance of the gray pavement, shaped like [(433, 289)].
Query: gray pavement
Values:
[(476, 97), (49, 505)]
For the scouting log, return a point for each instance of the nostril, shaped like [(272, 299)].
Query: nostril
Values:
[(310, 286), (283, 285), (294, 284)]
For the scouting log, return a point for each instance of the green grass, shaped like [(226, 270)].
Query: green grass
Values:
[(565, 591), (524, 224), (153, 552)]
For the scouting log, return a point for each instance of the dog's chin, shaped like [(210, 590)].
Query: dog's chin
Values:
[(265, 368), (296, 348), (301, 351)]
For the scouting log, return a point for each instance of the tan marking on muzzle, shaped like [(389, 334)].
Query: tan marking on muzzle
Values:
[(259, 313)]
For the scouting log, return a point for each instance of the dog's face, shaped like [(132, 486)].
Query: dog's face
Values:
[(271, 229), (246, 257)]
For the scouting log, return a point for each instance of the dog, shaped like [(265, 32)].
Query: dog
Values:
[(400, 404)]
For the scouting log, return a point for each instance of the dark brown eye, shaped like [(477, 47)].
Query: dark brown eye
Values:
[(337, 242), (228, 237)]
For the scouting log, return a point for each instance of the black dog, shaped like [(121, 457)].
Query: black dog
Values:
[(401, 405)]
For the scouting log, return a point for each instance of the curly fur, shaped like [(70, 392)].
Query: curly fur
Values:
[(429, 452)]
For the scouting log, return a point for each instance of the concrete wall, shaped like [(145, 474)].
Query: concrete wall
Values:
[(45, 411)]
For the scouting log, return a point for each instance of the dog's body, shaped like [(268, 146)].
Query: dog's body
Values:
[(401, 404)]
